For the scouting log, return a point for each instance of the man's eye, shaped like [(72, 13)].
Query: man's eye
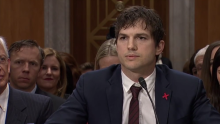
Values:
[(142, 38), (18, 62), (32, 63), (122, 38)]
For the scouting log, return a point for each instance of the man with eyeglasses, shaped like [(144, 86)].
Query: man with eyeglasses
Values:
[(17, 107), (198, 60)]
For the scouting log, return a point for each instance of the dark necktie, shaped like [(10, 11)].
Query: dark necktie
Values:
[(134, 106)]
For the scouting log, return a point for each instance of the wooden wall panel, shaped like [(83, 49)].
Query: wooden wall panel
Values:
[(22, 19), (90, 21), (207, 24)]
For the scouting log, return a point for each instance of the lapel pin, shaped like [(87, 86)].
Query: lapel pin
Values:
[(165, 96)]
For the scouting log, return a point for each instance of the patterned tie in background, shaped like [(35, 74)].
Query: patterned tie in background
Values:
[(134, 106)]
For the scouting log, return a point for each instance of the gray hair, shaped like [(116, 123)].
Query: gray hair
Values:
[(2, 41), (201, 52)]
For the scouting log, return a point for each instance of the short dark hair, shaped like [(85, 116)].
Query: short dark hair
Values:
[(16, 46), (87, 66), (132, 15)]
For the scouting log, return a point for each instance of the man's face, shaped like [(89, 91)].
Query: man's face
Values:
[(137, 50), (4, 69), (198, 64), (25, 65)]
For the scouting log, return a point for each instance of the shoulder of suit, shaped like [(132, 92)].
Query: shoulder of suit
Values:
[(172, 74), (105, 71), (56, 98), (29, 96)]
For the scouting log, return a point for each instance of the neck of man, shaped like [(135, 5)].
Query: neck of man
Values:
[(2, 88), (134, 75), (25, 89)]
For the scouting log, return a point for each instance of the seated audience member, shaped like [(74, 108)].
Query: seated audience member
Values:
[(192, 67), (111, 33), (164, 60), (106, 55), (198, 60), (87, 67), (186, 67), (76, 71), (26, 59), (52, 76), (214, 93), (207, 64), (17, 107), (112, 95), (70, 87)]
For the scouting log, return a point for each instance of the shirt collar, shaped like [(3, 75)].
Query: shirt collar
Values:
[(34, 90), (4, 98), (127, 82)]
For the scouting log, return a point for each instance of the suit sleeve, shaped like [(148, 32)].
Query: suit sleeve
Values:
[(74, 110), (46, 111), (203, 111)]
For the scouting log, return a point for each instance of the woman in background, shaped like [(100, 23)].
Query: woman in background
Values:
[(214, 93), (106, 55), (71, 62), (207, 64), (52, 75)]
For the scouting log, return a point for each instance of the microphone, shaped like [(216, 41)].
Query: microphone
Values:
[(144, 85)]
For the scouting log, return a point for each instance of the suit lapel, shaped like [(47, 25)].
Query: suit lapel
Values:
[(161, 93), (115, 97), (16, 106)]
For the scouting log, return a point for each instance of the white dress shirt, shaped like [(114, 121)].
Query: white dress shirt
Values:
[(34, 90), (146, 112), (4, 104)]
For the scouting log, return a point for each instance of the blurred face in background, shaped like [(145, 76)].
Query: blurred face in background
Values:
[(198, 65), (218, 74), (108, 61), (4, 69), (212, 57), (49, 74), (25, 65)]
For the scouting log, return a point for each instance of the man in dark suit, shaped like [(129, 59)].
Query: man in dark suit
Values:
[(26, 60), (17, 107), (114, 96)]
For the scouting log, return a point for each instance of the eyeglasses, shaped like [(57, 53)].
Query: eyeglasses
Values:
[(194, 71), (3, 59)]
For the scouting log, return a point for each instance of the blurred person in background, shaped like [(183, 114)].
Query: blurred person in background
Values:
[(198, 60), (87, 67), (106, 55), (214, 92), (75, 70), (26, 58), (207, 64), (52, 76)]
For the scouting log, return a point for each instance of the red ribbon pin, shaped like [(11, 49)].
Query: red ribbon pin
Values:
[(165, 96)]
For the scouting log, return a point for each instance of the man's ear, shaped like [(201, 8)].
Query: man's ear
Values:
[(160, 47)]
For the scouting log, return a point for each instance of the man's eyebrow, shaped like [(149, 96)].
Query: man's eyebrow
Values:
[(3, 55), (122, 34)]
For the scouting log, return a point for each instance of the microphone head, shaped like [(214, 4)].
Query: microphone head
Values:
[(142, 82)]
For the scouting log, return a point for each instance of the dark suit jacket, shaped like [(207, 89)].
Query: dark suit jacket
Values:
[(56, 101), (27, 108), (98, 99)]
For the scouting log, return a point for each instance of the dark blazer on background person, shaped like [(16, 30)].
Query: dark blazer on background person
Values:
[(26, 108), (98, 99), (167, 62), (56, 101)]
